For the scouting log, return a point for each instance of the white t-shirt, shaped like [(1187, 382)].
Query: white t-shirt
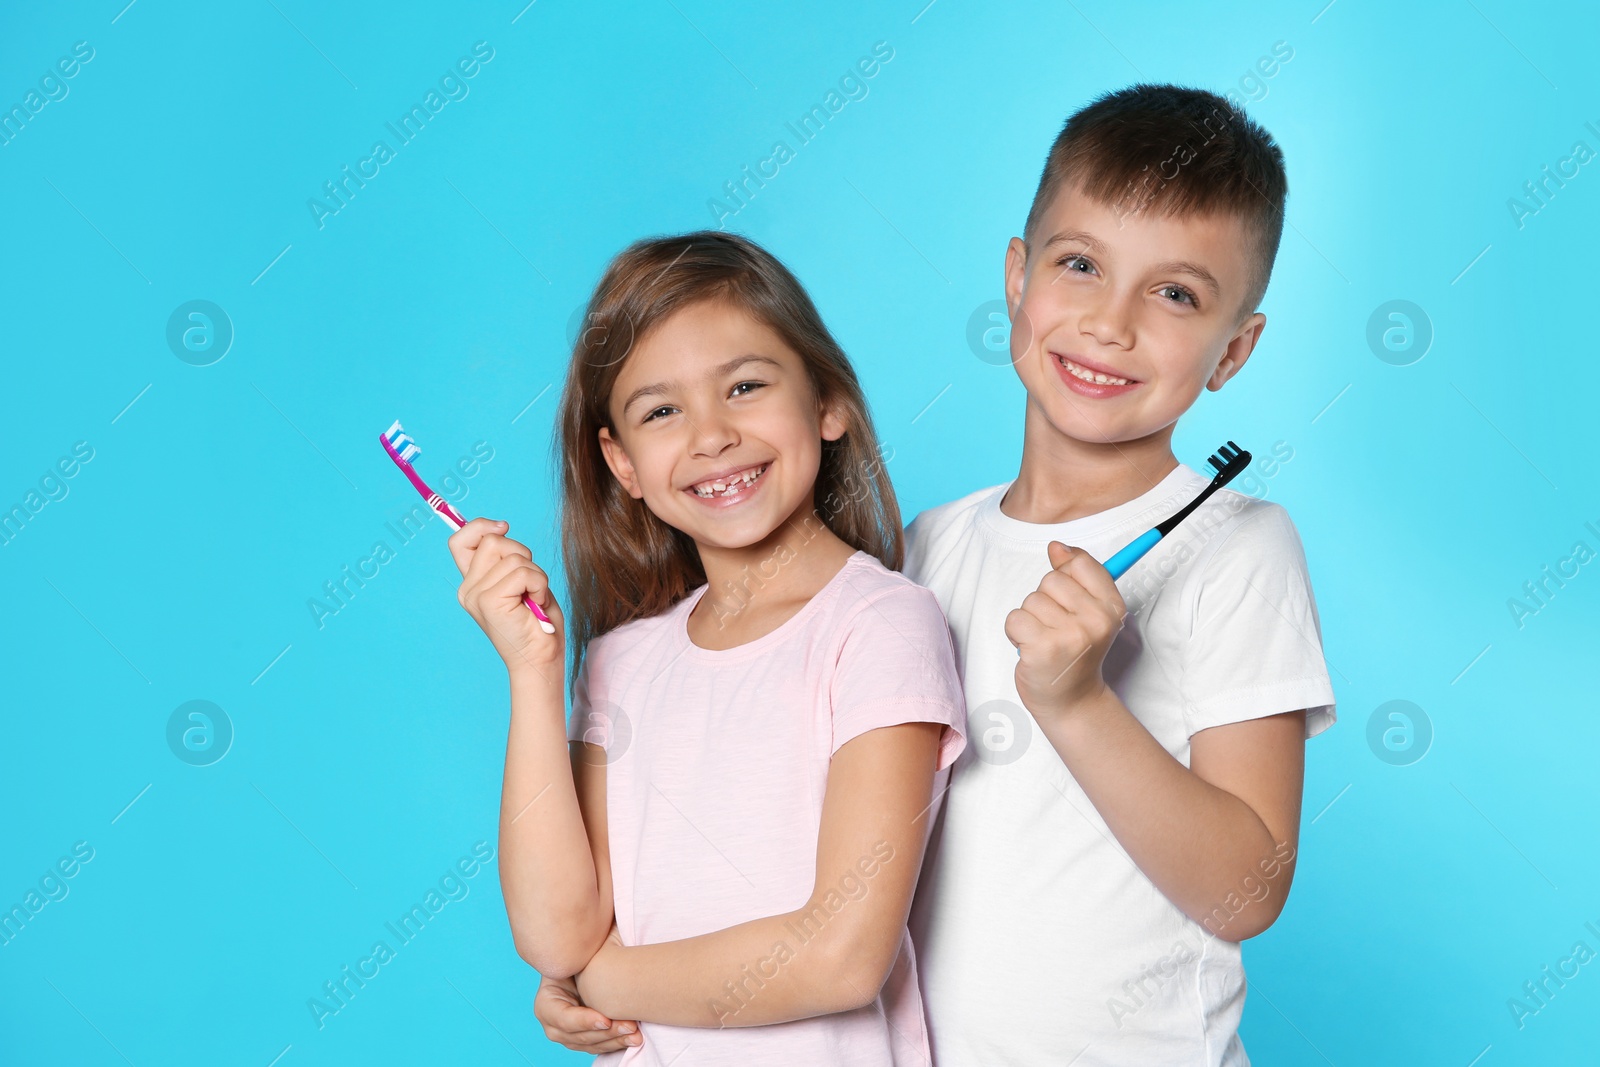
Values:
[(1038, 939)]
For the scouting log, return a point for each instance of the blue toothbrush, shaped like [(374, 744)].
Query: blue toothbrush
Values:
[(1230, 461)]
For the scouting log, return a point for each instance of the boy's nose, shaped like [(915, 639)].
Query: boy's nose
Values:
[(1109, 320)]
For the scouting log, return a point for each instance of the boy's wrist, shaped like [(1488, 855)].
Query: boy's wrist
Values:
[(1077, 714)]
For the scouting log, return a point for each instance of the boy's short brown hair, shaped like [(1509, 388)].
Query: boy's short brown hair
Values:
[(1177, 151)]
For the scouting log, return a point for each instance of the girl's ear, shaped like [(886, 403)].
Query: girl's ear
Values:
[(621, 466), (832, 423)]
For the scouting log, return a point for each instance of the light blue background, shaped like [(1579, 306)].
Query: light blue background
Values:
[(366, 756)]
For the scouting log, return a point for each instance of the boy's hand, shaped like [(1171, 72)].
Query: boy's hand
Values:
[(567, 1021), (496, 572), (1063, 631)]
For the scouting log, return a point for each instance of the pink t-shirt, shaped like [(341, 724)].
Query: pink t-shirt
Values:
[(717, 761)]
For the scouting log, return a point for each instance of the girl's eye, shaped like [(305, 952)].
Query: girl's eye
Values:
[(1072, 262), (1182, 295), (734, 391)]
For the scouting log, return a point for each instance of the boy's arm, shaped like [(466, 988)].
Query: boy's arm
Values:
[(832, 954), (1218, 838)]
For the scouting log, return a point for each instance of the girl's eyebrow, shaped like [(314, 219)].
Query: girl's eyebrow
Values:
[(715, 372)]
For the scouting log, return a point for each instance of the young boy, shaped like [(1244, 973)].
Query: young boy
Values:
[(1100, 855)]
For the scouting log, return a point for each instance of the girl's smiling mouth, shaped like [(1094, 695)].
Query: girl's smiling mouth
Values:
[(733, 484)]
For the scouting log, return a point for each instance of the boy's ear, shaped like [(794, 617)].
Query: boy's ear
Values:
[(620, 464), (1016, 274), (1238, 351)]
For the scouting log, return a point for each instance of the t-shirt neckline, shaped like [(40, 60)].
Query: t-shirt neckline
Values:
[(1075, 531), (680, 626)]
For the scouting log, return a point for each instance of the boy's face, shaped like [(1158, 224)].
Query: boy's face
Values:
[(712, 391), (1147, 307)]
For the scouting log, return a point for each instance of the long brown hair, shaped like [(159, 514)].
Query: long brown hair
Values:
[(622, 562)]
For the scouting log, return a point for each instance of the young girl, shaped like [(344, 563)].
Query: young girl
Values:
[(763, 708)]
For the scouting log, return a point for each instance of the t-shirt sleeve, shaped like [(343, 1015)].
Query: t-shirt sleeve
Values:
[(1255, 647), (897, 665), (588, 720), (912, 540)]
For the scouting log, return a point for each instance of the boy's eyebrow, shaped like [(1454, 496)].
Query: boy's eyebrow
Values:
[(1078, 237), (1195, 270), (716, 372)]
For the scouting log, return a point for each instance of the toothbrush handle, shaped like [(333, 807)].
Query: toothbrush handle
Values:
[(1135, 550), (452, 516), (442, 506)]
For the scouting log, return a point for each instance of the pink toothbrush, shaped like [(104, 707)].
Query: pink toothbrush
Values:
[(402, 449)]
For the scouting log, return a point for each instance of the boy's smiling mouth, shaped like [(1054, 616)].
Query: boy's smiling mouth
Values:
[(1090, 379), (729, 483)]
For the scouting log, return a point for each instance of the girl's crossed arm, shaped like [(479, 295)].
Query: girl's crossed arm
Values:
[(831, 954)]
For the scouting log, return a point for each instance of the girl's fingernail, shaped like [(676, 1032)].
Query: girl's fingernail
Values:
[(602, 1025), (625, 1028)]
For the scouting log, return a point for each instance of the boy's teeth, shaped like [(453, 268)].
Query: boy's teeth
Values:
[(1091, 376), (729, 486)]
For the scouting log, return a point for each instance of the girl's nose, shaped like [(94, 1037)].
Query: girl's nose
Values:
[(713, 433)]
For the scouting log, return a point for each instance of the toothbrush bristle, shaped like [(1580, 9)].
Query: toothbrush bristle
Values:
[(402, 443), (1229, 460)]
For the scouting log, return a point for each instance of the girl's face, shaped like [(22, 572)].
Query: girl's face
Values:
[(715, 426)]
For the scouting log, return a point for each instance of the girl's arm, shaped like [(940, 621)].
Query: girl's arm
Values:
[(557, 896), (831, 954), (555, 862)]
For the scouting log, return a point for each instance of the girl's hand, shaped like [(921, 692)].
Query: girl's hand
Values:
[(567, 1021), (496, 572)]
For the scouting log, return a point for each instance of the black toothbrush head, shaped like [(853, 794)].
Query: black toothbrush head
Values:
[(1229, 461)]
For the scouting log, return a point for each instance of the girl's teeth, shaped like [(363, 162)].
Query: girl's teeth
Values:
[(728, 487)]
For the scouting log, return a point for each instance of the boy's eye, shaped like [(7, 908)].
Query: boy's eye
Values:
[(1075, 263), (1178, 294)]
